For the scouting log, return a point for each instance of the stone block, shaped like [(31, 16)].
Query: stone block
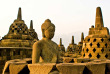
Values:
[(8, 63), (41, 68), (81, 60), (95, 68), (18, 69), (70, 68), (67, 59)]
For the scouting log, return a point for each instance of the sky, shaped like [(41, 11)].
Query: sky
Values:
[(70, 17)]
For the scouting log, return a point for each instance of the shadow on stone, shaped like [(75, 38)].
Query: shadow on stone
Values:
[(72, 61), (87, 71), (24, 71), (54, 70), (107, 70)]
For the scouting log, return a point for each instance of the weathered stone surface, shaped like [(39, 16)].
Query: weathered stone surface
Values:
[(18, 69), (15, 62), (67, 59), (95, 68), (45, 50), (82, 60), (43, 68), (70, 68)]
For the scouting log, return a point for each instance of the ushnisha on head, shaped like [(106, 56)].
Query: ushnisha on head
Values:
[(48, 29)]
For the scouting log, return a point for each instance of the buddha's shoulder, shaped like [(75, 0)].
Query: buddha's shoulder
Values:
[(40, 42), (55, 43)]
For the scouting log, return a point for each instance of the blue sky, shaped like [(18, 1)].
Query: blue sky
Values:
[(71, 17)]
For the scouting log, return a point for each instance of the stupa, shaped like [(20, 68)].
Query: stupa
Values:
[(97, 44), (72, 46), (18, 35), (32, 31), (61, 46), (17, 44), (80, 44)]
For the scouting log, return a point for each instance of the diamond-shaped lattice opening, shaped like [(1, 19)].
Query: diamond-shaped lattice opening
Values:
[(15, 28), (98, 45), (12, 31), (72, 61), (102, 39), (109, 39), (87, 49), (106, 56), (90, 55), (94, 50), (94, 40), (91, 44), (88, 40), (18, 31), (84, 55), (82, 61), (85, 44), (23, 31), (106, 45), (70, 49), (102, 50), (98, 56)]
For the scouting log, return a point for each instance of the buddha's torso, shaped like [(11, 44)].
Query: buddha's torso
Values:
[(49, 51)]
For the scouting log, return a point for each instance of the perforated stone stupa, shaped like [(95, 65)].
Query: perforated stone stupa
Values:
[(72, 46), (80, 44), (97, 44), (18, 35), (17, 44), (61, 46), (32, 31)]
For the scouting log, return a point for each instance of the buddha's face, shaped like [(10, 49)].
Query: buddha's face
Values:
[(49, 33)]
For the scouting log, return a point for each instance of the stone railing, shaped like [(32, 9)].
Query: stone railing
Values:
[(25, 66)]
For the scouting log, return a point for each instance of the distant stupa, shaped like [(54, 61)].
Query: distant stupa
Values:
[(80, 44), (61, 46), (72, 46), (32, 31)]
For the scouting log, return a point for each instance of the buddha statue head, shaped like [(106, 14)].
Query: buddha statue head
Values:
[(48, 29)]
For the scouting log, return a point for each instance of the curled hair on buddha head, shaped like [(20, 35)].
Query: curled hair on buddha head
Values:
[(46, 25)]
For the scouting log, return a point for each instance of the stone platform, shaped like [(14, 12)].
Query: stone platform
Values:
[(21, 66)]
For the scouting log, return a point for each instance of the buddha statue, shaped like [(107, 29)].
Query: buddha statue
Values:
[(46, 50)]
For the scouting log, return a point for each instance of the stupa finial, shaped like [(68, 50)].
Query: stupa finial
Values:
[(31, 24), (99, 18), (72, 42), (19, 17), (82, 37), (60, 41)]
